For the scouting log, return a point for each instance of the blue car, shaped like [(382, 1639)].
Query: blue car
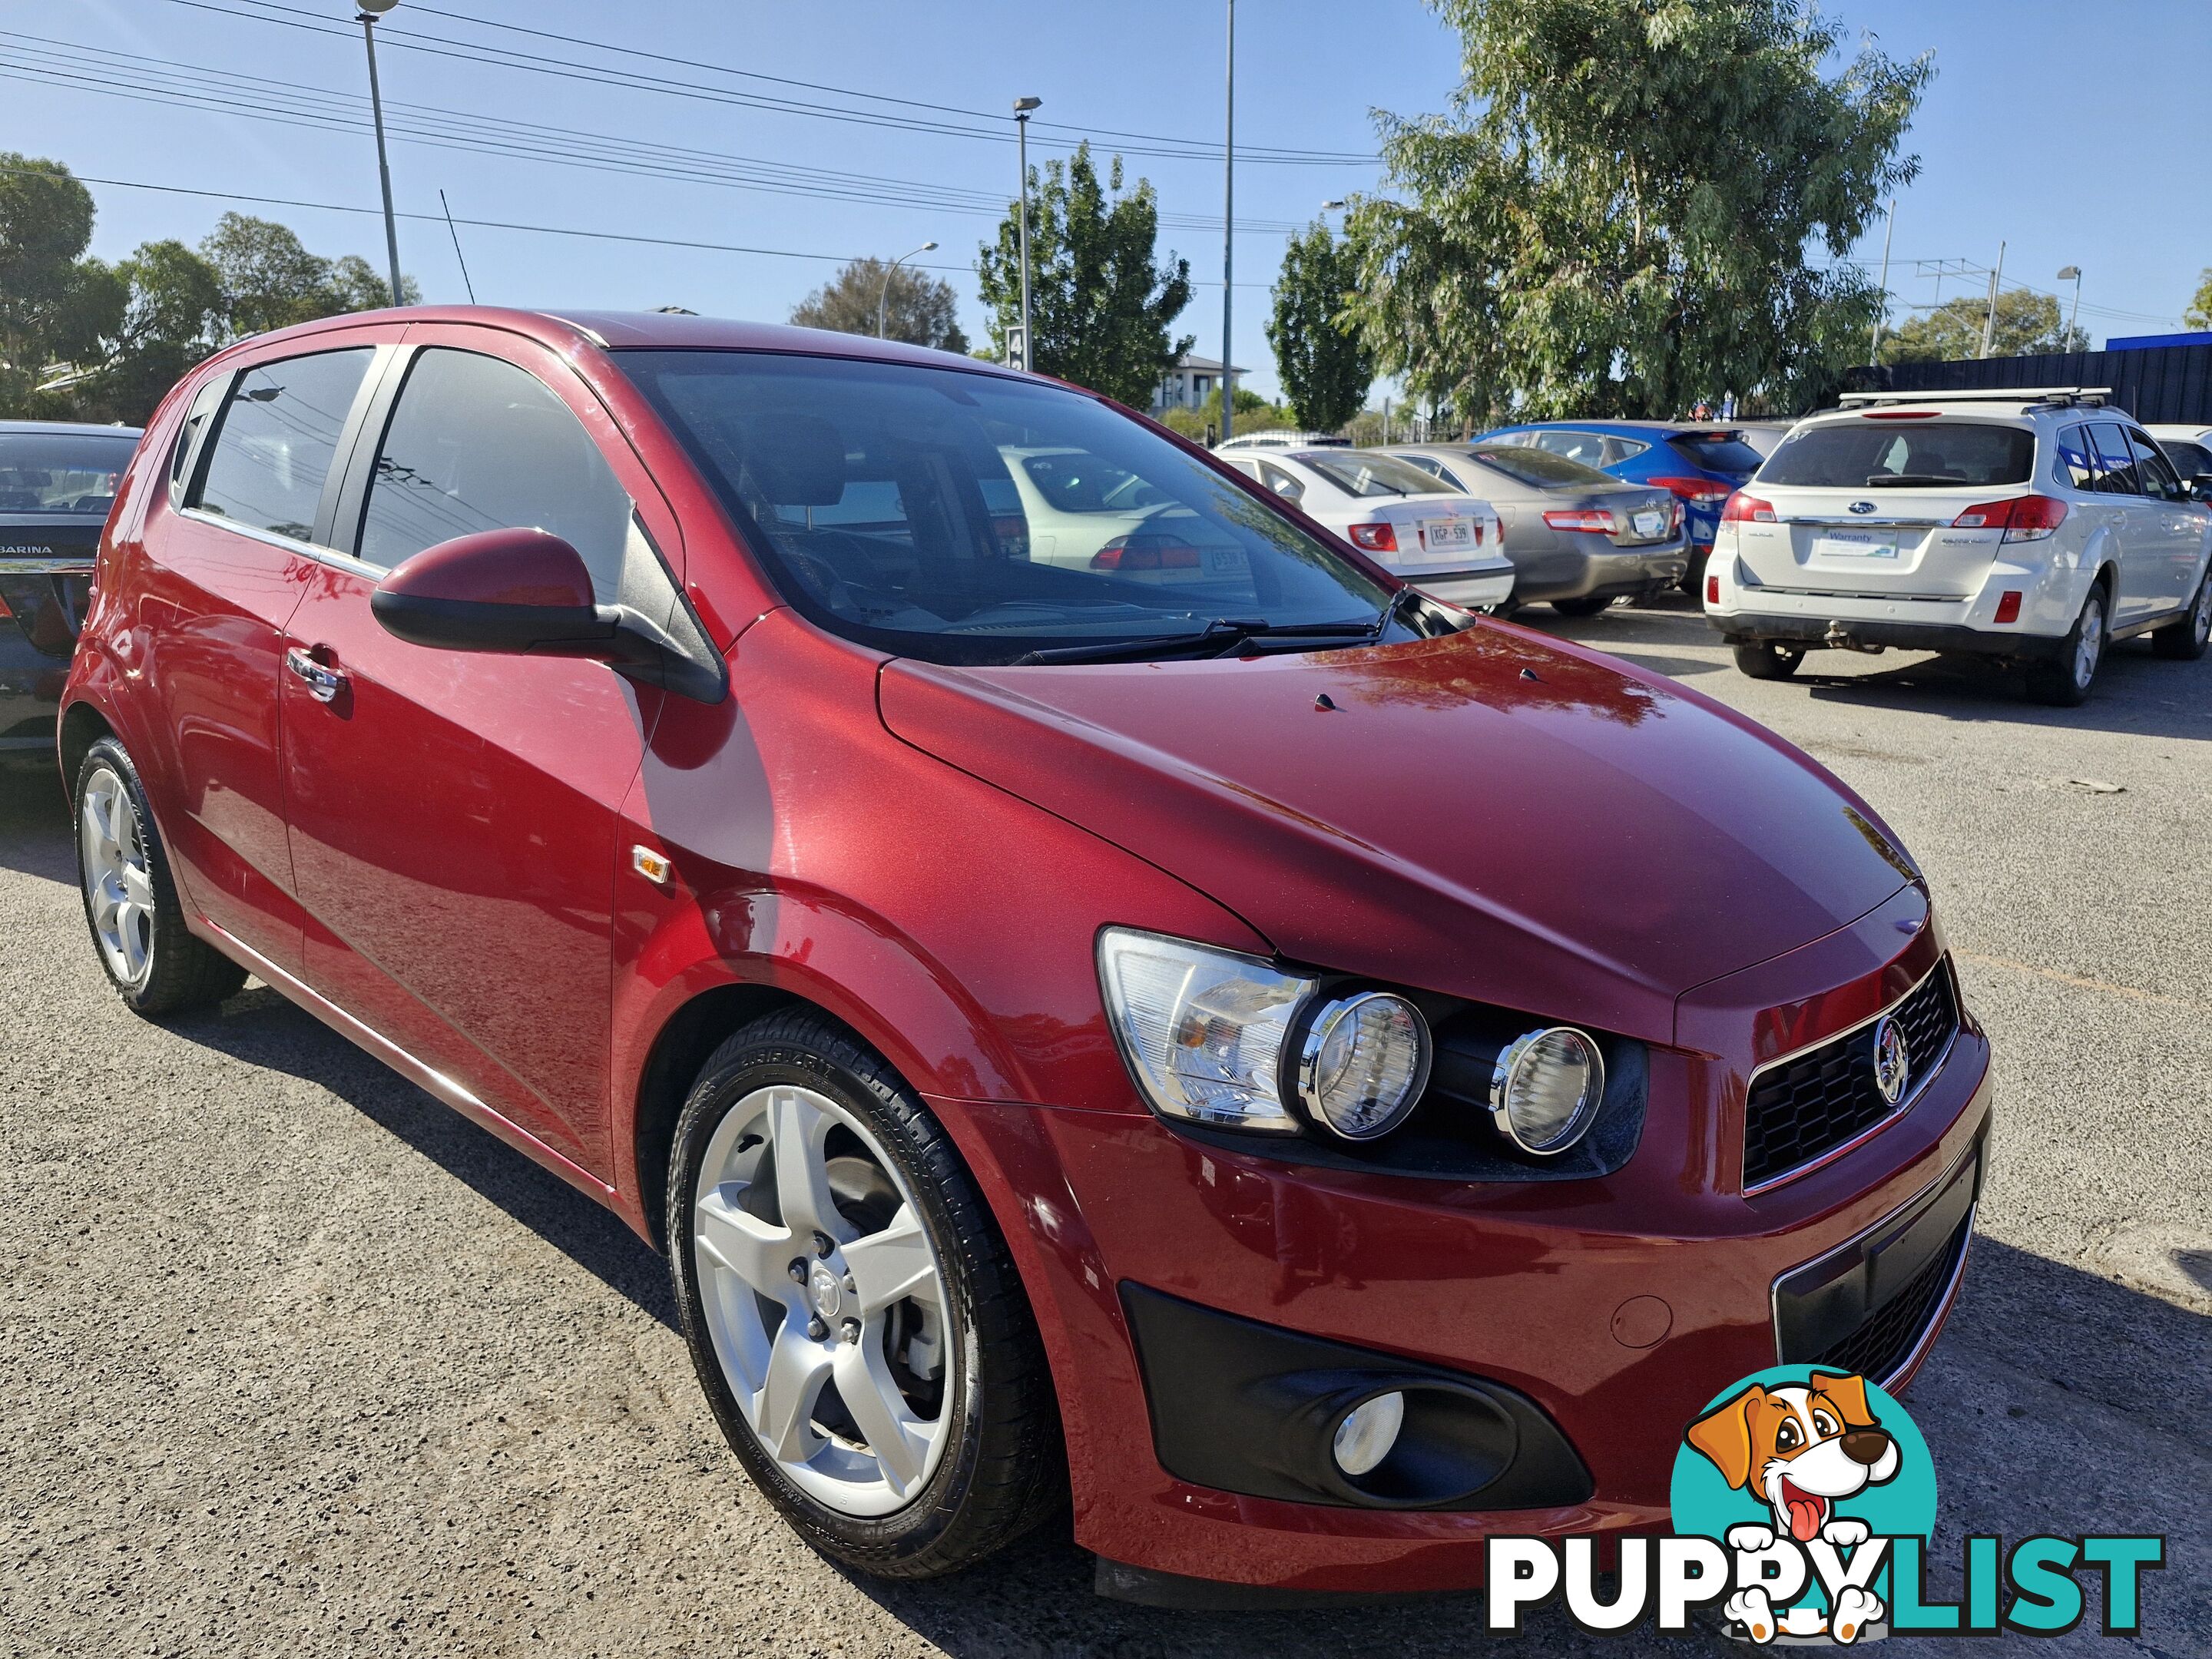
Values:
[(1701, 463)]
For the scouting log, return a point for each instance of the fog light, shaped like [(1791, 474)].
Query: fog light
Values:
[(1364, 1064), (1370, 1428), (1546, 1088)]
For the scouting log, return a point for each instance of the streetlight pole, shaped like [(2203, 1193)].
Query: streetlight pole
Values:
[(2074, 315), (882, 296), (1888, 225), (1228, 237), (1021, 108), (370, 11), (1990, 321)]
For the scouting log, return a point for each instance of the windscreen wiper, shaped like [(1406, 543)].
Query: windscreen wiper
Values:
[(1217, 636)]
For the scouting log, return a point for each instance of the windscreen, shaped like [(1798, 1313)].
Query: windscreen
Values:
[(1365, 476), (1920, 454), (967, 518), (1715, 452), (71, 472), (1543, 469)]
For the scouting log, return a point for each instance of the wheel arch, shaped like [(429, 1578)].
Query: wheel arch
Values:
[(82, 725)]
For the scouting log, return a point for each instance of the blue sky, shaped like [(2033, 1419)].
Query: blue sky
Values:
[(2076, 135)]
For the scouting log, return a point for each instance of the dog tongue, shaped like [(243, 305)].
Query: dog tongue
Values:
[(1805, 1519)]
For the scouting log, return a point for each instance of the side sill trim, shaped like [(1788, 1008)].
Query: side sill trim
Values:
[(426, 1078)]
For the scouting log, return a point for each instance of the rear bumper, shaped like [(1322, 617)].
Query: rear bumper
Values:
[(30, 683), (1815, 632), (1471, 589), (1578, 572)]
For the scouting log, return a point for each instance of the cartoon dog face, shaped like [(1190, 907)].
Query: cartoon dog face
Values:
[(1800, 1448)]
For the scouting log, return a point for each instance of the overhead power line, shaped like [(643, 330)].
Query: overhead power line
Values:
[(952, 123), (514, 225)]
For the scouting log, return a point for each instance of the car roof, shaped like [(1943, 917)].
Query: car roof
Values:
[(88, 429), (1669, 428), (624, 330)]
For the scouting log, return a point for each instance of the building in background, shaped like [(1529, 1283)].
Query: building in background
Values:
[(1189, 384)]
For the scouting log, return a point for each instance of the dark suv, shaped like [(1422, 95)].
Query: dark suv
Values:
[(56, 483)]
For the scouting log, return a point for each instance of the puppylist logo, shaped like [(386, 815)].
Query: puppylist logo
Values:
[(1803, 1500)]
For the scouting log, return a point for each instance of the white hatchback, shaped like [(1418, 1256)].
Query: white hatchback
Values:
[(1450, 544), (2031, 525)]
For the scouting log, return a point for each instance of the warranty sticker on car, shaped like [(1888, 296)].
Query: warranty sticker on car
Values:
[(1856, 545), (1649, 524)]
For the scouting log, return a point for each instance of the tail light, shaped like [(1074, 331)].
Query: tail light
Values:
[(2009, 605), (1014, 533), (1698, 492), (2022, 518), (1674, 517), (1141, 552), (4, 611), (1747, 509), (1595, 519), (1374, 537)]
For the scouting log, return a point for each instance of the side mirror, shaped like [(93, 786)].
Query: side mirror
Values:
[(527, 593)]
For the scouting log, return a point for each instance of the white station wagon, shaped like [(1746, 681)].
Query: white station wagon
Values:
[(2037, 525)]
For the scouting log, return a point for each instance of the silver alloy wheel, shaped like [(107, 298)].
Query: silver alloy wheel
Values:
[(118, 887), (835, 1334), (2090, 645)]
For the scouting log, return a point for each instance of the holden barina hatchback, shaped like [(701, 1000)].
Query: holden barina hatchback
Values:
[(1311, 1076)]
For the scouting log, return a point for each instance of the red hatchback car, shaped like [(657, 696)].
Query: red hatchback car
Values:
[(1123, 1002)]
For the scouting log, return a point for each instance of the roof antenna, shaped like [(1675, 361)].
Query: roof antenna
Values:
[(456, 235)]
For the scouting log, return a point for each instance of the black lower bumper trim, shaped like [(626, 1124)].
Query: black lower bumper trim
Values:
[(1812, 633), (1241, 1406), (1118, 1581)]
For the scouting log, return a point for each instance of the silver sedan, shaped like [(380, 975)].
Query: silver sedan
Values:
[(1579, 537)]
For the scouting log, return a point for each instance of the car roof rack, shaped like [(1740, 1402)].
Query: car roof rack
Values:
[(2034, 397)]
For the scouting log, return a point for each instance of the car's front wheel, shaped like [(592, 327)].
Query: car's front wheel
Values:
[(130, 897), (2184, 640), (2064, 682), (851, 1310), (1768, 660)]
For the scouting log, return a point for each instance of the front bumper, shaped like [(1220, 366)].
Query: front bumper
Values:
[(1616, 1306)]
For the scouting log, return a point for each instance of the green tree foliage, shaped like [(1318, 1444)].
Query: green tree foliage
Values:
[(83, 338), (917, 308), (1324, 363), (2199, 315), (2025, 324), (49, 305), (1616, 217), (1103, 310), (1254, 414)]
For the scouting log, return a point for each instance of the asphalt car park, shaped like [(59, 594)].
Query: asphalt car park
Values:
[(300, 1360)]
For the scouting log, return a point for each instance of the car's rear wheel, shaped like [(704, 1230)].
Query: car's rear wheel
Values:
[(1588, 606), (2064, 682), (1768, 660), (2185, 641), (1693, 580), (851, 1308), (130, 899)]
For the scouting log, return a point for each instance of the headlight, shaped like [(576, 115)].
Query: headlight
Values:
[(1364, 1063), (1203, 1029), (1544, 1089)]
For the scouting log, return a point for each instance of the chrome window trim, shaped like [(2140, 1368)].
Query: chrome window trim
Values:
[(1904, 1105), (315, 551), (46, 567)]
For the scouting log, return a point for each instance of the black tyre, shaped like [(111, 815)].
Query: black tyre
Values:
[(852, 1310), (1768, 660), (1693, 579), (2185, 641), (2065, 681), (1588, 605), (130, 902)]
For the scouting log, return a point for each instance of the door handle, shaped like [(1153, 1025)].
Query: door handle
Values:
[(324, 683)]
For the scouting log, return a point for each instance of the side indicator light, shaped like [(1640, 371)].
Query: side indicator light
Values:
[(655, 868)]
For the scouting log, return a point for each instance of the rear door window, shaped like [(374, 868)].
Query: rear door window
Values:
[(477, 443), (1934, 454), (2116, 463), (1587, 447), (279, 431)]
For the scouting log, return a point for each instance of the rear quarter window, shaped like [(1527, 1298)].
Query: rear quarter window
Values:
[(1934, 454)]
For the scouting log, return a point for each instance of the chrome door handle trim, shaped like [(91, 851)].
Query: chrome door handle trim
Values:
[(324, 683)]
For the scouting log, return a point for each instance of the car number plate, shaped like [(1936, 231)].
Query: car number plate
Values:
[(1648, 525), (1447, 535), (1856, 545)]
